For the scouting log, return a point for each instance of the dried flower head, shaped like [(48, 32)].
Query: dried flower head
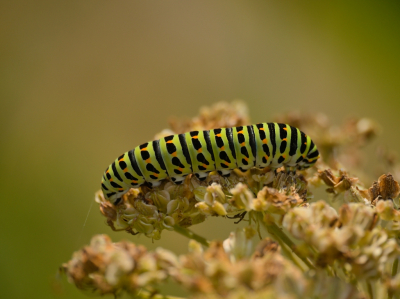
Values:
[(350, 238), (108, 268), (343, 248)]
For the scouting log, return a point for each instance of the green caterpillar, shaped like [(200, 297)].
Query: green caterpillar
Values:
[(200, 152)]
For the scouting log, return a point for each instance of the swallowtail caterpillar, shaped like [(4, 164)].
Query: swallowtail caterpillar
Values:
[(200, 152)]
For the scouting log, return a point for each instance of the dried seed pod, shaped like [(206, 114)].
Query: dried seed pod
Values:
[(388, 187), (328, 177)]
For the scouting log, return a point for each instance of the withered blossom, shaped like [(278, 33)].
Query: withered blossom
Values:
[(219, 115), (313, 250), (349, 238), (109, 268)]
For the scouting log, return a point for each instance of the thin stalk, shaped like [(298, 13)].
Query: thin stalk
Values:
[(395, 266), (191, 235), (292, 256), (275, 230), (370, 291), (394, 272)]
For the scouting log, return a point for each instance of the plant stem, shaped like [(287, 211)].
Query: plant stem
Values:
[(394, 272), (191, 235), (395, 266), (370, 292), (292, 256), (275, 230)]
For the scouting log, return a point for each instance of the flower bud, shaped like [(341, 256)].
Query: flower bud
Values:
[(195, 246), (386, 211), (242, 197), (239, 245), (199, 193), (142, 225), (214, 193), (204, 208), (160, 199), (219, 208), (168, 223), (145, 209)]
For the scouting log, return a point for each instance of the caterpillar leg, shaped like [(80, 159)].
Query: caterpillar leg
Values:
[(225, 172), (201, 175), (243, 170), (177, 179), (155, 183), (290, 170)]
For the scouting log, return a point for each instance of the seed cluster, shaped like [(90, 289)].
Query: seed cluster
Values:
[(341, 244)]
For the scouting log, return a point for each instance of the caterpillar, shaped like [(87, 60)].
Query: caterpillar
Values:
[(200, 152)]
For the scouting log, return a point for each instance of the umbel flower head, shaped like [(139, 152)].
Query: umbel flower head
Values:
[(221, 271), (350, 237), (343, 244), (104, 267), (149, 211)]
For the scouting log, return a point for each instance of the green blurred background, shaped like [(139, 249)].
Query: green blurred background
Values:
[(83, 81)]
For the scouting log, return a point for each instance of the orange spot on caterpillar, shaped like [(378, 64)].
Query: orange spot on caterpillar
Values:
[(170, 141), (133, 181), (243, 144), (121, 189), (265, 141), (222, 148), (226, 163), (195, 137), (174, 154), (284, 156), (126, 169), (285, 129), (284, 139), (218, 135), (155, 174), (204, 165), (266, 157), (180, 169), (143, 149), (111, 179), (199, 150), (240, 132), (305, 142), (121, 160), (262, 129), (247, 159), (148, 160)]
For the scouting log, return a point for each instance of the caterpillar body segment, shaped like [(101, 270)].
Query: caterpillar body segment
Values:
[(200, 152)]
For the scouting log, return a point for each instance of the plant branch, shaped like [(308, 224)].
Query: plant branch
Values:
[(275, 230), (191, 235)]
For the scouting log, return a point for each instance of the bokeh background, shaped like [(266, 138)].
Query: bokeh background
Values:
[(83, 81)]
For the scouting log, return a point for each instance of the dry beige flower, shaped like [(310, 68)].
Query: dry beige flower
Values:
[(349, 249)]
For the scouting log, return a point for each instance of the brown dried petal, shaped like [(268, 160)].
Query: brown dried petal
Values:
[(328, 177), (389, 188)]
